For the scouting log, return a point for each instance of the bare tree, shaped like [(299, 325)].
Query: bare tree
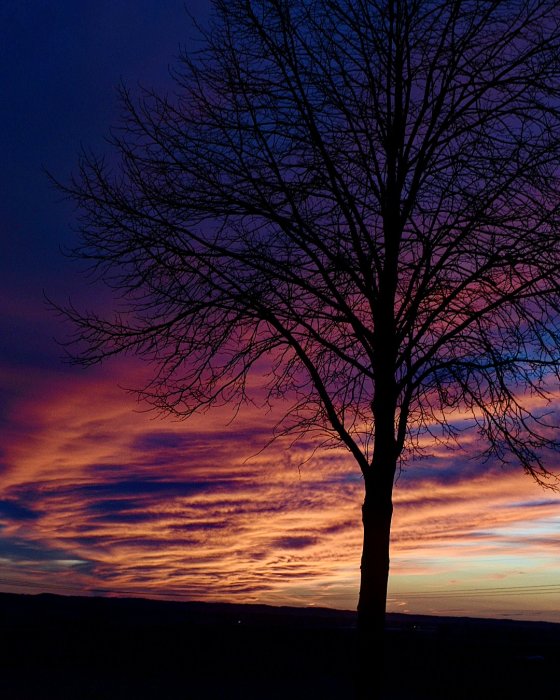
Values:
[(365, 193)]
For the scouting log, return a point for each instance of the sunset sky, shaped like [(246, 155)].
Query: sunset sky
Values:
[(98, 496)]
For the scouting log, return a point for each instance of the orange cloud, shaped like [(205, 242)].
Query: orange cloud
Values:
[(99, 497)]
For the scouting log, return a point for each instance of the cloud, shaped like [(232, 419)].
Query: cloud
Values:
[(18, 550), (294, 542), (194, 510), (538, 504)]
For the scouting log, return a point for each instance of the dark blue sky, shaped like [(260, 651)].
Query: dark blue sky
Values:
[(60, 65)]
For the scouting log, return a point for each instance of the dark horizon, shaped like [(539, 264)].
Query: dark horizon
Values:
[(111, 648), (257, 613)]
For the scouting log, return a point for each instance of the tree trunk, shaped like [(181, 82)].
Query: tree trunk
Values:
[(377, 512)]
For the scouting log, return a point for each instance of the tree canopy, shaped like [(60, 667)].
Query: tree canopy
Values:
[(365, 194)]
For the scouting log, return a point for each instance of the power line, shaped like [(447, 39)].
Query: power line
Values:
[(490, 591)]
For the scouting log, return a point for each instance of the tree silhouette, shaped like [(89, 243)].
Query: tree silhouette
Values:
[(363, 193)]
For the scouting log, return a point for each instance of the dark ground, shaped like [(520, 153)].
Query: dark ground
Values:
[(104, 649)]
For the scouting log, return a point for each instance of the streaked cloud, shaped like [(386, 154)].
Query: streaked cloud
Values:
[(98, 496)]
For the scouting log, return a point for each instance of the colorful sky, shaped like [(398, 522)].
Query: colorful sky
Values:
[(99, 497)]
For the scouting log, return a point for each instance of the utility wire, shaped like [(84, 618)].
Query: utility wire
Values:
[(490, 591)]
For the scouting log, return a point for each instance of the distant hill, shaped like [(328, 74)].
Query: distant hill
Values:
[(107, 648)]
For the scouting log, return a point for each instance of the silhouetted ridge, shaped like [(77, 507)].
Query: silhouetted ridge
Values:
[(91, 648)]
